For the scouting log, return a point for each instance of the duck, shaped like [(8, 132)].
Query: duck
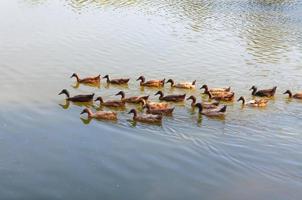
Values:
[(146, 118), (106, 115), (77, 98), (295, 96), (154, 105), (184, 85), (87, 80), (118, 81), (134, 99), (254, 103), (161, 111), (217, 112), (223, 96), (215, 90), (113, 103), (205, 105), (150, 83), (263, 93), (175, 98)]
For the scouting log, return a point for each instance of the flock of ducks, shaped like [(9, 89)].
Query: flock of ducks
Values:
[(156, 110)]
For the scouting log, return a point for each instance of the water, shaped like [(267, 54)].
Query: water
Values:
[(47, 152)]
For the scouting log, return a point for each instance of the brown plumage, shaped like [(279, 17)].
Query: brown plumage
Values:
[(263, 93), (215, 90), (146, 118), (112, 103), (118, 81), (254, 103), (154, 105), (184, 85), (135, 99), (161, 111), (175, 98), (223, 96), (151, 83), (77, 98), (217, 112), (105, 115), (295, 96), (205, 105), (87, 80)]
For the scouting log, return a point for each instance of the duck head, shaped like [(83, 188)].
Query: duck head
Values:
[(241, 99), (88, 111), (99, 99), (160, 93), (193, 98), (254, 89), (64, 91), (141, 78), (205, 87), (289, 93), (133, 111), (74, 75), (106, 77), (170, 81), (122, 93)]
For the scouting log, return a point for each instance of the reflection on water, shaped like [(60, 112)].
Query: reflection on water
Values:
[(252, 153)]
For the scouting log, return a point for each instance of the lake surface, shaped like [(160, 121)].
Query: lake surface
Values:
[(49, 152)]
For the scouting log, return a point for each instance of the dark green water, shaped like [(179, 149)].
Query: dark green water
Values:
[(47, 152)]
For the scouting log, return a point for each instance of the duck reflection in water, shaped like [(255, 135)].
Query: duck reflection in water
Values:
[(66, 105)]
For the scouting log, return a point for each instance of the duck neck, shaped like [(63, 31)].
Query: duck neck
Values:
[(209, 93), (161, 95), (243, 101), (206, 89), (89, 112), (142, 80), (290, 94), (172, 83), (200, 109), (77, 77), (134, 114), (254, 91), (193, 101), (107, 79), (66, 93)]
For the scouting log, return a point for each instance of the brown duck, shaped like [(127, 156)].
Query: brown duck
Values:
[(295, 96), (135, 99), (217, 112), (118, 81), (254, 103), (205, 105), (154, 105), (175, 98), (113, 103), (151, 83), (77, 98), (87, 80), (146, 118), (215, 90), (263, 93), (106, 115), (161, 111), (223, 96), (184, 85)]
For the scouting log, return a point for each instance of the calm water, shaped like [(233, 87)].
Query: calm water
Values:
[(48, 152)]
